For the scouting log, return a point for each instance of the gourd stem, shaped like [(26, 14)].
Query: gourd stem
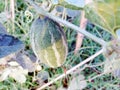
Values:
[(66, 23)]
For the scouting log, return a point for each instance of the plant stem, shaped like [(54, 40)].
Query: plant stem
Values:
[(72, 69), (12, 7), (66, 23)]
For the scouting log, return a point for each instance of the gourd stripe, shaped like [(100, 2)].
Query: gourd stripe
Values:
[(63, 39), (46, 58), (33, 41), (65, 46), (56, 53)]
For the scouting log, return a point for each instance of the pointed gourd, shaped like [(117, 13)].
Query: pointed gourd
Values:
[(48, 42)]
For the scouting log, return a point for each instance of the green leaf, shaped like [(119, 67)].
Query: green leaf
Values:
[(72, 4), (104, 13)]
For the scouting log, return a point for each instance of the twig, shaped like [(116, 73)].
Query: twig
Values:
[(66, 23), (72, 69)]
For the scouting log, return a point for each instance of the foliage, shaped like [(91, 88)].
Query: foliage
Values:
[(105, 13), (2, 5), (92, 71)]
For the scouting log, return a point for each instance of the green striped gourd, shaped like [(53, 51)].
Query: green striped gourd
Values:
[(48, 42), (105, 13)]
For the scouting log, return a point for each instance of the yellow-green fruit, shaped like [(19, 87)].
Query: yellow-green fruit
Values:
[(105, 13), (48, 42)]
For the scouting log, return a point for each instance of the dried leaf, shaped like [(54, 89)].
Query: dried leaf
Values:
[(116, 73), (42, 76), (2, 67), (112, 55), (19, 75), (25, 62), (52, 87), (9, 45), (5, 74), (111, 63), (13, 63), (61, 88), (2, 29), (5, 60), (77, 83), (3, 17)]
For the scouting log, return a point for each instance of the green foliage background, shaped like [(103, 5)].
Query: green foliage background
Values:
[(89, 47)]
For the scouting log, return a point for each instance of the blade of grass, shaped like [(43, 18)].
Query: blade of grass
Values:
[(12, 7)]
